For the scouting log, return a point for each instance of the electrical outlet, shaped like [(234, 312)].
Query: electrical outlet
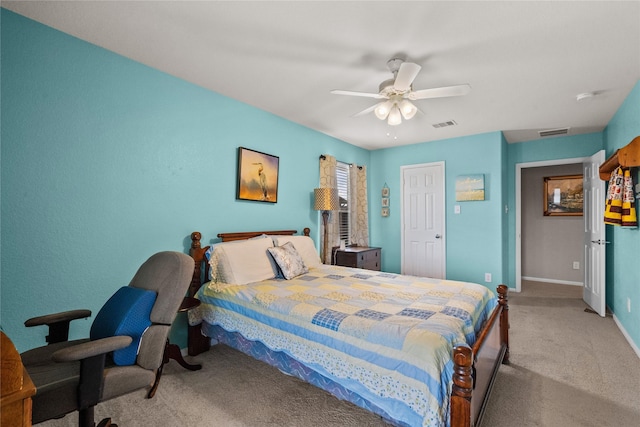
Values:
[(629, 305), (487, 277), (576, 265)]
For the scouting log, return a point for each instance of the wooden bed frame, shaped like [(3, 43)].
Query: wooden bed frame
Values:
[(475, 369)]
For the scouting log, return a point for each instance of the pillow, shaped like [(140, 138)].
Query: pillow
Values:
[(305, 247), (211, 248), (242, 262), (289, 260), (125, 313)]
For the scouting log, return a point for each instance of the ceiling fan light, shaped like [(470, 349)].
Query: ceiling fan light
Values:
[(382, 110), (408, 109), (395, 117)]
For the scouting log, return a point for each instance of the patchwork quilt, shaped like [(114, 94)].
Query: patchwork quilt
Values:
[(387, 337)]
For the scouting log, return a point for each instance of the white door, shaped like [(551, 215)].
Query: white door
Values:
[(423, 241), (594, 291)]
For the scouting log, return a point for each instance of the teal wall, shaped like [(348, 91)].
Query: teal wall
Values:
[(623, 268), (106, 161), (474, 237)]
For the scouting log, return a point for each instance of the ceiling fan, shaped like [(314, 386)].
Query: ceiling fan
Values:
[(398, 93)]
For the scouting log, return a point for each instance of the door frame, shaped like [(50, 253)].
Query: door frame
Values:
[(519, 167), (443, 212)]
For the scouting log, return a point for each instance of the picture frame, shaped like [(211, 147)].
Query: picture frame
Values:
[(385, 191), (385, 202), (563, 195), (385, 212), (257, 176), (470, 188)]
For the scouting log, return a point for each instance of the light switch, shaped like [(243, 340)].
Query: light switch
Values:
[(456, 209)]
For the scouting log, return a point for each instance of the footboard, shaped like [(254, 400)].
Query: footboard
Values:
[(475, 368)]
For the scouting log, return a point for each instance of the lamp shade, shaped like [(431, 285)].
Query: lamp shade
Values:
[(395, 118), (382, 109), (326, 199), (407, 109)]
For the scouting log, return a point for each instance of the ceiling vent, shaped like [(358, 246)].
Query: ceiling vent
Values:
[(553, 132), (444, 124)]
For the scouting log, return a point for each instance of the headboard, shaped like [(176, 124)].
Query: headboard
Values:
[(197, 252), (198, 343)]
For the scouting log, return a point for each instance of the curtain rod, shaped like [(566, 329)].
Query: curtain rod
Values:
[(323, 157)]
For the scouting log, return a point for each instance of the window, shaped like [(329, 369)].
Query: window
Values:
[(342, 179)]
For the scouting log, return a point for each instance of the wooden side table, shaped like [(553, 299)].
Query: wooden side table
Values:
[(16, 385), (359, 257), (172, 351)]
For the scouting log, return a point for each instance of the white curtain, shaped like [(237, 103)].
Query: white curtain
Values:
[(358, 206), (328, 180)]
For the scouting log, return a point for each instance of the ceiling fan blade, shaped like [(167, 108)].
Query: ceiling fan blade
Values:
[(365, 111), (352, 93), (440, 92), (406, 74)]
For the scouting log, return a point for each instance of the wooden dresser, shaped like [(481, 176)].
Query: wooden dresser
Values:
[(359, 257), (16, 387)]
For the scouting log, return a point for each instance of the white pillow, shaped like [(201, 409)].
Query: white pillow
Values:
[(289, 260), (242, 262), (305, 247)]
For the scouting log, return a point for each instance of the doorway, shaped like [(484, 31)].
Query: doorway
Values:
[(519, 203)]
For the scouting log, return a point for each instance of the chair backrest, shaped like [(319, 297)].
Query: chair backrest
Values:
[(169, 274)]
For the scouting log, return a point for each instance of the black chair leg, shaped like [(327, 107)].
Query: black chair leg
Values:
[(85, 417)]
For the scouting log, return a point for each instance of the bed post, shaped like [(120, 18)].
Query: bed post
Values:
[(462, 387), (504, 321), (197, 343)]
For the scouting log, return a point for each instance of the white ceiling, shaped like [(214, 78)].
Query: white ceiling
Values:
[(525, 61)]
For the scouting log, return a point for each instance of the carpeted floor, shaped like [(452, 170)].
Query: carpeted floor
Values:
[(568, 368)]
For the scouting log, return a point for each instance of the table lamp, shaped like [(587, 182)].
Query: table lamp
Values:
[(326, 199)]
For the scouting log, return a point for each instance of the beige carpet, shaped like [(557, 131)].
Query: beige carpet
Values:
[(568, 368)]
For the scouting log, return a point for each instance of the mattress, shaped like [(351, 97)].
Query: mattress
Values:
[(385, 337)]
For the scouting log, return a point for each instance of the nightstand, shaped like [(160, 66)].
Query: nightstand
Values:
[(358, 257)]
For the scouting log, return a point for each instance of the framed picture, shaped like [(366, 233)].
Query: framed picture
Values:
[(385, 202), (385, 212), (563, 195), (385, 191), (257, 176), (470, 188)]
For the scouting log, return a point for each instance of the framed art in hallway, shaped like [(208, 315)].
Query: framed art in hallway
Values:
[(257, 176), (563, 195)]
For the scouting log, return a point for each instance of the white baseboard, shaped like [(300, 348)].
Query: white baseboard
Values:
[(559, 282), (627, 336)]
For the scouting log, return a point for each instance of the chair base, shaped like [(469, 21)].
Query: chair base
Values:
[(107, 423)]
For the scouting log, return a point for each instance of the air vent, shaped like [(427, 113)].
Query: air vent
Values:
[(553, 132), (444, 124)]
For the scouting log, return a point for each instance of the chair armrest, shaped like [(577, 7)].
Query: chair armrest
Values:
[(65, 316), (91, 348), (92, 356), (58, 323)]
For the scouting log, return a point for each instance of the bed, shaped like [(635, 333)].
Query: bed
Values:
[(416, 351)]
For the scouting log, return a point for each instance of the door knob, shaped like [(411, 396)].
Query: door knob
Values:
[(438, 236)]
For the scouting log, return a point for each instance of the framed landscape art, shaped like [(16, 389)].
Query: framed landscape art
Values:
[(563, 195)]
